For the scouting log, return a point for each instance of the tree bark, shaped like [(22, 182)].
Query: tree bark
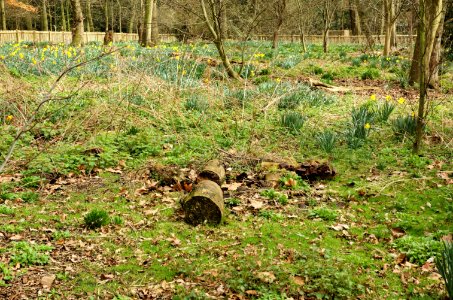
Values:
[(280, 8), (120, 17), (149, 5), (430, 14), (77, 29), (28, 22), (2, 15), (155, 25), (90, 24), (435, 60), (223, 19), (63, 16), (44, 23), (355, 18), (131, 25), (68, 14), (214, 26), (106, 15)]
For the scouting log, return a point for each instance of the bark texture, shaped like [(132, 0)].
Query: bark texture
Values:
[(77, 27)]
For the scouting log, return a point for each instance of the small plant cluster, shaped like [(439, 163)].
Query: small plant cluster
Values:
[(96, 219), (444, 264), (360, 127), (418, 249), (294, 182), (271, 194), (293, 121), (24, 254), (305, 95), (30, 254), (323, 213)]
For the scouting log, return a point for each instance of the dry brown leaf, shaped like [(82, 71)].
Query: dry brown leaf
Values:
[(16, 237), (256, 204), (397, 232), (232, 186), (251, 293), (107, 276), (47, 281), (298, 280), (339, 227), (400, 259), (267, 277)]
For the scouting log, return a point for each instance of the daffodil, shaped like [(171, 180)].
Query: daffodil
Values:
[(401, 100), (388, 98), (373, 97), (9, 118), (367, 126), (33, 61), (278, 80)]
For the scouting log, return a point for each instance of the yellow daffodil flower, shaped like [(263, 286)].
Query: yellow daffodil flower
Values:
[(401, 100)]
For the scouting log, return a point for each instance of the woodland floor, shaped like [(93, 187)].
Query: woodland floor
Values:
[(122, 132)]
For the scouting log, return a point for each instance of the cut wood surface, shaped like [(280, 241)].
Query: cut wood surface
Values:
[(204, 204), (213, 171)]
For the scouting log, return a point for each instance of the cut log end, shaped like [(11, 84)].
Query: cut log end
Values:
[(200, 210), (213, 171), (204, 204)]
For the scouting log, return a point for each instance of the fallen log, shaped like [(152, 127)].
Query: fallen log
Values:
[(213, 171), (204, 204)]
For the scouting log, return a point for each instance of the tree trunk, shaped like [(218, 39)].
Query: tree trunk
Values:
[(44, 23), (223, 20), (68, 14), (213, 25), (63, 17), (393, 41), (355, 18), (120, 17), (430, 18), (155, 25), (28, 22), (275, 39), (387, 26), (435, 60), (2, 15), (131, 25), (149, 4), (106, 15), (90, 23), (325, 37), (77, 29)]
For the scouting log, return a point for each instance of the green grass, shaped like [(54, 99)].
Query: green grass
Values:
[(98, 149)]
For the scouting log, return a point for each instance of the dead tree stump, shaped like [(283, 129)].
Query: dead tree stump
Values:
[(213, 171), (204, 204)]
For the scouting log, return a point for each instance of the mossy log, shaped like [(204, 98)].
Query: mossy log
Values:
[(213, 171), (204, 204)]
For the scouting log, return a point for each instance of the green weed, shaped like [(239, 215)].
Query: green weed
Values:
[(404, 126), (271, 194), (444, 264), (326, 140), (29, 254), (293, 120), (96, 219), (418, 249), (323, 213), (384, 110)]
